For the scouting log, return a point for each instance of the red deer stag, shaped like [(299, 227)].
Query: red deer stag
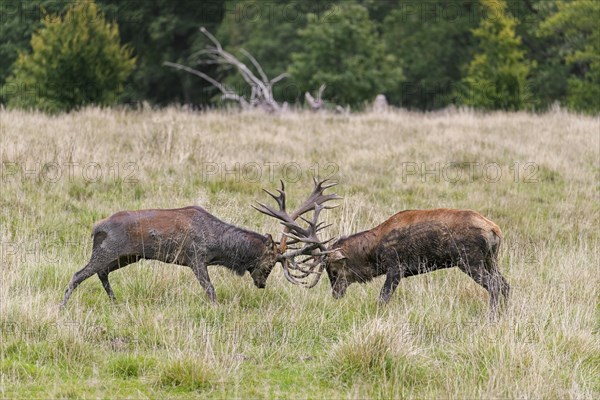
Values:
[(410, 243), (190, 237)]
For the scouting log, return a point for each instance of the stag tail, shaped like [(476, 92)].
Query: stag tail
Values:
[(496, 241)]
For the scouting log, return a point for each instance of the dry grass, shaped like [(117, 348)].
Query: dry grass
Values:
[(537, 176)]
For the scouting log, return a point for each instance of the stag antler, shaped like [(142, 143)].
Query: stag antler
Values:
[(297, 234)]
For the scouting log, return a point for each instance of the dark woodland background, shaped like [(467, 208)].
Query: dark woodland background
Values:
[(425, 55)]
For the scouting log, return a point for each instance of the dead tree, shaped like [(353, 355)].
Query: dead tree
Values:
[(380, 104), (316, 103), (261, 87)]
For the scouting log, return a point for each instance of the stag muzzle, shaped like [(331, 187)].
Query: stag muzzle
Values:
[(259, 277), (338, 281)]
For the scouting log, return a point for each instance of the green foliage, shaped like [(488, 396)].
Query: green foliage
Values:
[(19, 20), (549, 73), (129, 366), (76, 59), (497, 74), (342, 49), (270, 37), (187, 374), (165, 30), (419, 54), (432, 47), (576, 23)]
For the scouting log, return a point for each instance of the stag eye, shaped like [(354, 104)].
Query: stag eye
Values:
[(332, 274)]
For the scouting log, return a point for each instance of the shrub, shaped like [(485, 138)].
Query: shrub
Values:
[(497, 75), (76, 59)]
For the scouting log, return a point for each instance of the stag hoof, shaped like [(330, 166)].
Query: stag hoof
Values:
[(213, 301)]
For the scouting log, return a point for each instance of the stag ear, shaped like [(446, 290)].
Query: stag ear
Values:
[(271, 241), (337, 255)]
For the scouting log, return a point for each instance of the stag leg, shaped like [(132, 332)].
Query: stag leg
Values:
[(392, 279), (201, 273), (498, 286), (103, 275), (102, 264), (113, 266), (78, 277), (106, 284), (485, 273), (504, 286)]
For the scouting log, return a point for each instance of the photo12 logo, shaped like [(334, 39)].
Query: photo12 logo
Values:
[(468, 171), (70, 171), (255, 172)]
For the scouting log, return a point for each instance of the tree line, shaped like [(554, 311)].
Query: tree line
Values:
[(491, 54)]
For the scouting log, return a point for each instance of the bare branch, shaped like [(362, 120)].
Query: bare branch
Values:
[(320, 92), (279, 77), (212, 38), (256, 65), (316, 103), (228, 94), (261, 93)]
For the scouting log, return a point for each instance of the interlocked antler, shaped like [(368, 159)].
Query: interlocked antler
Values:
[(313, 247)]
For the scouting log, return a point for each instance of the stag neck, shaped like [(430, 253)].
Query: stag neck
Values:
[(361, 244), (240, 249)]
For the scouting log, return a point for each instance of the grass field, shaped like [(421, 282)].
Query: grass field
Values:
[(536, 176)]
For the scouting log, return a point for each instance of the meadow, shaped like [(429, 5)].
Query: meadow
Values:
[(535, 175)]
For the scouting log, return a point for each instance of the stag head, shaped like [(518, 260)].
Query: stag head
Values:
[(339, 275), (270, 257), (299, 262)]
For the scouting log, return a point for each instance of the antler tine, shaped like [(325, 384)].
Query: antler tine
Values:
[(279, 199), (269, 211), (294, 266), (294, 279), (316, 197), (318, 275), (280, 214), (303, 274), (288, 276), (304, 251), (305, 266), (308, 240), (295, 230), (293, 241), (314, 225), (323, 185), (292, 236), (312, 248), (321, 227)]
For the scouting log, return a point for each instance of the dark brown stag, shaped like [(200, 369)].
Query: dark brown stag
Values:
[(190, 237), (411, 243)]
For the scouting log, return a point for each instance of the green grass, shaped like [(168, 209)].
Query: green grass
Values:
[(163, 339)]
